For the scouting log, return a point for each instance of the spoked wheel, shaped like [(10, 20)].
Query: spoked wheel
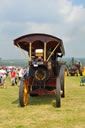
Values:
[(58, 96), (23, 93), (62, 75)]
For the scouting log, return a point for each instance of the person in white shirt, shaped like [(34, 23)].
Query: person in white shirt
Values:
[(0, 78), (3, 75)]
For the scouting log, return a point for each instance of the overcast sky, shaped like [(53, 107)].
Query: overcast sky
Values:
[(62, 18)]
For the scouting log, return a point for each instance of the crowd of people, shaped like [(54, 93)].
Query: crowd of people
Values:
[(15, 74)]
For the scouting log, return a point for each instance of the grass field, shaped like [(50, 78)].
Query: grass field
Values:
[(41, 111)]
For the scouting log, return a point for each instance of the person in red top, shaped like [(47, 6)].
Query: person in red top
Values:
[(13, 76)]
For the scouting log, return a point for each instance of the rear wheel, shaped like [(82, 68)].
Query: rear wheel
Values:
[(23, 93), (62, 76), (58, 97)]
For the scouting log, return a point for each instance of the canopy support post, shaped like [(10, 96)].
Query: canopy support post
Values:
[(23, 52), (45, 52), (30, 50), (53, 52)]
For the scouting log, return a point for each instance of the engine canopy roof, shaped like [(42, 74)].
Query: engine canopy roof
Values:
[(38, 38)]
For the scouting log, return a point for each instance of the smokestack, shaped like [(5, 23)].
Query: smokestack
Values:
[(72, 60)]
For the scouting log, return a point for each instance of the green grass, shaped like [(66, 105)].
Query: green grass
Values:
[(41, 111)]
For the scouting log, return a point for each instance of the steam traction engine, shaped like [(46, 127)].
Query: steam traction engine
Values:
[(46, 74)]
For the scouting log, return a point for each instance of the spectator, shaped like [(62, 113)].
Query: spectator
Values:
[(0, 78), (13, 76), (16, 79), (3, 77)]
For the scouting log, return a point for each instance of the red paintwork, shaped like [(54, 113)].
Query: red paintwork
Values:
[(30, 80), (51, 82), (42, 92), (30, 63)]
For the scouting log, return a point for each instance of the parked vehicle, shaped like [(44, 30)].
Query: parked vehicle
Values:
[(75, 69)]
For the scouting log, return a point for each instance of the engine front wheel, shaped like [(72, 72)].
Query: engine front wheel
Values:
[(23, 93)]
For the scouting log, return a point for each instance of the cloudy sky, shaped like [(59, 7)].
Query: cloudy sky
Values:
[(62, 18)]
